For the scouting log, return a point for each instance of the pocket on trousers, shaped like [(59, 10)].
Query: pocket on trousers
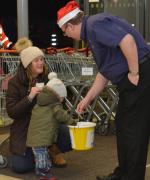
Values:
[(130, 85), (129, 95)]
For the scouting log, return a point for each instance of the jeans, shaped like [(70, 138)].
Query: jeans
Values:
[(23, 164)]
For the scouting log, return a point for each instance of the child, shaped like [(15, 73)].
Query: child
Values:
[(44, 123)]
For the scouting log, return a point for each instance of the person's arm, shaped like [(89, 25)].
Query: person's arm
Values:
[(129, 49), (17, 106), (62, 116), (97, 87)]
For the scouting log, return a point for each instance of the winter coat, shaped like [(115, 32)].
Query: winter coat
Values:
[(19, 109), (47, 114)]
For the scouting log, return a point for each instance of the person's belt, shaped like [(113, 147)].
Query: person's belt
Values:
[(145, 58)]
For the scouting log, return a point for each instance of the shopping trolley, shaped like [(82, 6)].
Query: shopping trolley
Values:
[(8, 66), (72, 68), (78, 73), (7, 69)]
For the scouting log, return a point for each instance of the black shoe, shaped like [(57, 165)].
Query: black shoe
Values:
[(102, 178), (116, 175), (109, 177)]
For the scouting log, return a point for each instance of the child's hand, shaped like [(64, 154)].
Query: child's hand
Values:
[(75, 122)]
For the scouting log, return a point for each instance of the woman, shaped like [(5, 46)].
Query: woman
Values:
[(21, 97)]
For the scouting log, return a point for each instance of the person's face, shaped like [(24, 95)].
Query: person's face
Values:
[(37, 66), (71, 31)]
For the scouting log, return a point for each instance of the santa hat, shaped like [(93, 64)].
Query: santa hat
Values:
[(56, 85), (27, 52), (68, 12)]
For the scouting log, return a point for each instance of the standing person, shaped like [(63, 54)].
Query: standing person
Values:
[(123, 57), (46, 116), (20, 99)]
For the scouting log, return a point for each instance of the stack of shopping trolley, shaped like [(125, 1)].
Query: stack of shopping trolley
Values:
[(78, 73)]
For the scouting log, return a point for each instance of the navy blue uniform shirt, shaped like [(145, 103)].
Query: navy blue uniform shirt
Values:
[(103, 33)]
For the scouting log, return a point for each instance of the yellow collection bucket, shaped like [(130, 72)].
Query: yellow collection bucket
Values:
[(82, 135)]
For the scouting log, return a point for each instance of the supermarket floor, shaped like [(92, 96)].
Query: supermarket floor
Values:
[(81, 165)]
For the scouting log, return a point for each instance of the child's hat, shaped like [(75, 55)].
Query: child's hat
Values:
[(56, 84), (67, 12)]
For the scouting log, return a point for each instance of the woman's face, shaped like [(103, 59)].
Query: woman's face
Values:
[(37, 66)]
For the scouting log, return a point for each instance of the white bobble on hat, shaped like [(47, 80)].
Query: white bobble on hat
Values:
[(56, 84), (52, 75)]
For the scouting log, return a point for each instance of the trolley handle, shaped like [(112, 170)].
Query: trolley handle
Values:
[(13, 51)]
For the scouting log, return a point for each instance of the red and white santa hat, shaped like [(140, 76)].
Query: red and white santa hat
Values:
[(67, 12)]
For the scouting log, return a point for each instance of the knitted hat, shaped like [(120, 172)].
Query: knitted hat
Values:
[(68, 12), (27, 52), (56, 84)]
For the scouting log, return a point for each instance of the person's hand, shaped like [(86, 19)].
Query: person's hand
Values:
[(133, 78), (75, 122), (34, 91), (82, 106)]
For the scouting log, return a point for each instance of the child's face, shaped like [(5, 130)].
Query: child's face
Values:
[(61, 99)]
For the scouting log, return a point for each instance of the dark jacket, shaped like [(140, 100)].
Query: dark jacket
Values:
[(46, 116), (19, 109), (103, 33)]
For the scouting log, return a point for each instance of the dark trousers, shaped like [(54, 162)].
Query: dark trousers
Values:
[(25, 163), (22, 163), (133, 124)]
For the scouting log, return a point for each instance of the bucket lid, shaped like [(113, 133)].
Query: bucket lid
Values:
[(83, 125)]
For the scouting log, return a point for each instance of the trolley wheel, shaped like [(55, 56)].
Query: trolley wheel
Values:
[(3, 162), (102, 127), (113, 129), (103, 130)]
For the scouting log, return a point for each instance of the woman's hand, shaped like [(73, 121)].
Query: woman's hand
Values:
[(34, 91), (133, 78)]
